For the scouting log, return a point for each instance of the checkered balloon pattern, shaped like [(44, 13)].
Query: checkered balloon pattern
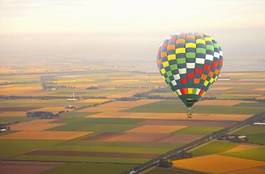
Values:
[(190, 63)]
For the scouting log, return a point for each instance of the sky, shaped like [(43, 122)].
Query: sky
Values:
[(127, 30)]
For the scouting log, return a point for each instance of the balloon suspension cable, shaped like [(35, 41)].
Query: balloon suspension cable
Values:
[(189, 114)]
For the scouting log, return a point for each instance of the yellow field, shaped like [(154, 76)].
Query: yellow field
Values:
[(94, 101), (216, 164), (74, 80), (36, 130), (44, 135), (50, 109), (155, 128), (170, 116), (13, 114), (136, 137), (34, 125), (118, 106), (21, 90)]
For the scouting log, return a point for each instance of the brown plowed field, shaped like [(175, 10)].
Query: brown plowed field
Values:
[(136, 137), (35, 125), (155, 129), (180, 138), (17, 167)]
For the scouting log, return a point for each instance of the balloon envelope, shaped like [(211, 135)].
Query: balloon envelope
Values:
[(190, 63)]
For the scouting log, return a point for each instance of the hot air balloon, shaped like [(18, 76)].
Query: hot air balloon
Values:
[(190, 63)]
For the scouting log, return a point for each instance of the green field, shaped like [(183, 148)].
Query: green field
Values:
[(14, 119), (112, 147), (254, 154), (172, 106), (96, 125), (12, 148), (198, 130), (255, 134), (213, 147), (107, 87), (135, 161)]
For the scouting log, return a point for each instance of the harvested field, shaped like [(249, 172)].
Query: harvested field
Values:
[(155, 128), (35, 125), (136, 137), (118, 105), (216, 164), (180, 138), (93, 154), (172, 116), (21, 90), (94, 101), (13, 114), (44, 135), (50, 109), (15, 167), (14, 108)]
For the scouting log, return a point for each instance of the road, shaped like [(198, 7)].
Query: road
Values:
[(173, 154)]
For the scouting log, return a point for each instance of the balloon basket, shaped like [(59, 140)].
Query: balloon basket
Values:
[(189, 114)]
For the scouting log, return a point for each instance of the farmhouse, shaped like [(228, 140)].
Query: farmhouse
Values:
[(4, 128), (70, 107), (259, 124), (235, 138)]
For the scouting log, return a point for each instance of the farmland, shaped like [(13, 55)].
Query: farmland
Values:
[(111, 124)]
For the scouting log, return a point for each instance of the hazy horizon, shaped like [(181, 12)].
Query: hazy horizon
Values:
[(37, 31)]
